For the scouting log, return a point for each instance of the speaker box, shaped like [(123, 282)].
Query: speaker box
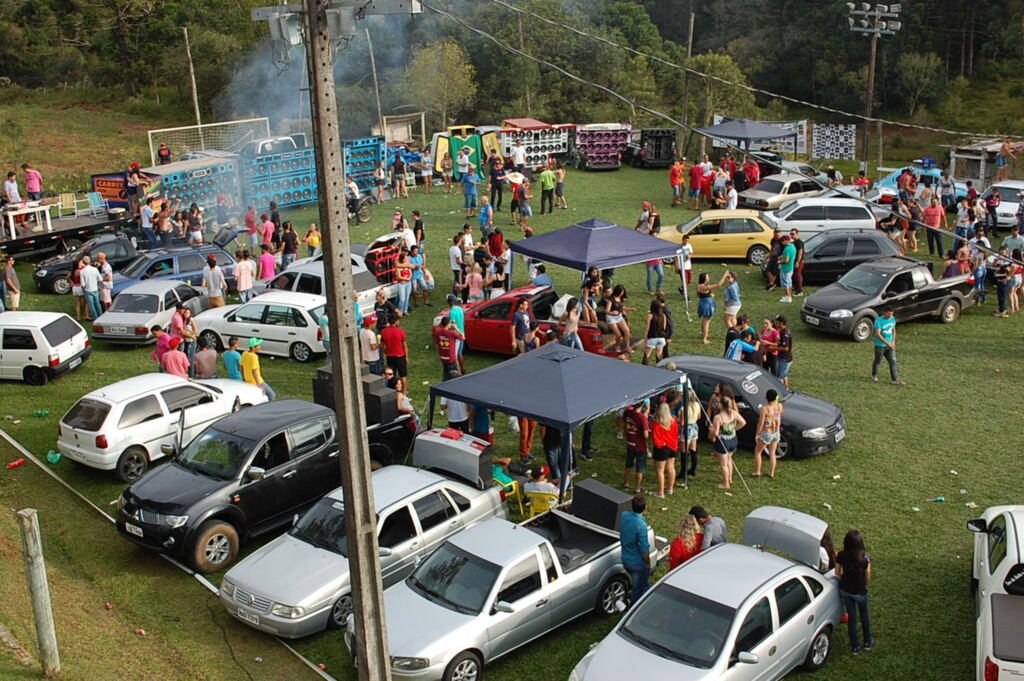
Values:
[(600, 504), (381, 405), (371, 381)]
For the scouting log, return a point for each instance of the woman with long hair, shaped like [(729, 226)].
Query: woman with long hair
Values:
[(706, 303), (380, 176), (655, 331), (615, 316), (689, 430), (724, 428), (687, 544), (403, 275), (853, 567), (189, 335), (1016, 279), (665, 436), (769, 424), (570, 321)]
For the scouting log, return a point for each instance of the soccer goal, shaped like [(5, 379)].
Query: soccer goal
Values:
[(226, 136)]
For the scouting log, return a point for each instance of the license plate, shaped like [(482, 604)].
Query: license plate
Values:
[(75, 362), (840, 435), (133, 529), (813, 321), (119, 330), (70, 453), (248, 617)]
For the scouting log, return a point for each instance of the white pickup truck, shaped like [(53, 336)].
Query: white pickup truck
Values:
[(997, 577)]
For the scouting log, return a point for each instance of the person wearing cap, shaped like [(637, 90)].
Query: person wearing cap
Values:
[(835, 176), (174, 361), (643, 223), (636, 547), (715, 529), (214, 282), (783, 348), (251, 368), (787, 263), (369, 346), (539, 483), (446, 338)]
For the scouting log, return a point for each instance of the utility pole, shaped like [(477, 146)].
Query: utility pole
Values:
[(522, 47), (376, 87), (39, 590), (874, 21), (195, 95)]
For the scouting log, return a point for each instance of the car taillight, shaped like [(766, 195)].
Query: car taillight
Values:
[(319, 334), (58, 431), (54, 360), (101, 441), (88, 342), (97, 329), (902, 252), (970, 279), (141, 331), (991, 670)]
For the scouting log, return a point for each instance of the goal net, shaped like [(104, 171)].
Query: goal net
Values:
[(227, 136)]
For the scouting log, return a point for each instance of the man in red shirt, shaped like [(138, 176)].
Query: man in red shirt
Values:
[(730, 165), (446, 335), (251, 228), (862, 183), (752, 170), (696, 175), (174, 361), (676, 179), (396, 350), (637, 429)]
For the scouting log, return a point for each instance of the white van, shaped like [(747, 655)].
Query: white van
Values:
[(818, 214), (37, 346)]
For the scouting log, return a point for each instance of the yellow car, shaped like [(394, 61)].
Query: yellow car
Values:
[(725, 234)]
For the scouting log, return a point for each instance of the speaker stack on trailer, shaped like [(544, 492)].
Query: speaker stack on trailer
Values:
[(200, 180), (361, 158), (289, 178), (540, 140), (599, 146)]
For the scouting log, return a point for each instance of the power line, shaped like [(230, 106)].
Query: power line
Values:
[(690, 128), (724, 81)]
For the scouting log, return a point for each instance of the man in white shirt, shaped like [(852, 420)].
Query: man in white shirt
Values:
[(455, 260), (458, 414), (407, 234), (732, 197), (539, 482), (146, 215), (214, 282), (91, 279), (369, 346), (11, 188), (519, 157)]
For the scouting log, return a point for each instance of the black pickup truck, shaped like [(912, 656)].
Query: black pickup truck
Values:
[(850, 306), (51, 274)]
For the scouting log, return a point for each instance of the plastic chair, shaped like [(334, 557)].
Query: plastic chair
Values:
[(97, 204), (511, 489), (540, 502), (67, 208)]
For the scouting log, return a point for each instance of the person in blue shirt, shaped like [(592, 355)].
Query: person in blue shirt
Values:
[(636, 548), (885, 345), (233, 359), (542, 278), (420, 284), (458, 317), (742, 347), (469, 181)]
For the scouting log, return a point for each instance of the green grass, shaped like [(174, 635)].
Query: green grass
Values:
[(901, 444)]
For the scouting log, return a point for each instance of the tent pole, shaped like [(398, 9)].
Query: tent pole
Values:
[(430, 414), (565, 463)]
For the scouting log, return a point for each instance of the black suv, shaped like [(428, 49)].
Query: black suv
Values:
[(830, 254), (244, 476), (52, 273)]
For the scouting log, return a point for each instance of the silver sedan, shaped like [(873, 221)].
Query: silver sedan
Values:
[(144, 305)]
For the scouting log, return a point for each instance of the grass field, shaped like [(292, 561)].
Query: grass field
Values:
[(901, 447)]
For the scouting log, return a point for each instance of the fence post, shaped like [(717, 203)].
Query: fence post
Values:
[(39, 590)]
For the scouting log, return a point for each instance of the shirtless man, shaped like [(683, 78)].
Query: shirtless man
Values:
[(1003, 159)]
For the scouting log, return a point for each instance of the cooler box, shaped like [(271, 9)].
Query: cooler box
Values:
[(451, 451)]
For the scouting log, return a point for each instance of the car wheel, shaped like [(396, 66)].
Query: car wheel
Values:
[(757, 255), (784, 449), (212, 340), (301, 352), (862, 329), (340, 611), (614, 591), (215, 546), (950, 312), (817, 655), (132, 464), (61, 286), (35, 376), (466, 666)]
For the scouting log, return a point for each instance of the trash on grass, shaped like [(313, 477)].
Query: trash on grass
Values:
[(53, 456), (963, 491), (953, 472), (837, 477), (938, 499), (140, 632), (16, 463), (827, 505), (971, 504), (108, 606), (914, 508)]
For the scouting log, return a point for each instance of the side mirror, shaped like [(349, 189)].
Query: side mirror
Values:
[(504, 606), (384, 551), (747, 658), (255, 473), (168, 450), (977, 525)]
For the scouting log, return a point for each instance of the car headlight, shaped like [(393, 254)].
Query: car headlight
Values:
[(409, 663), (287, 611), (840, 314), (227, 588), (40, 273), (173, 521), (815, 433)]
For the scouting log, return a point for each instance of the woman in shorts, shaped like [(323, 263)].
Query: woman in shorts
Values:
[(654, 331), (689, 430), (706, 303), (665, 437), (380, 176), (724, 428), (768, 435), (615, 317)]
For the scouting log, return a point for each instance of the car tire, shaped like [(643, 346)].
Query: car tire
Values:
[(817, 654), (301, 352), (61, 286), (757, 255), (132, 464), (785, 448), (215, 546), (212, 340), (340, 611), (950, 311), (467, 666), (34, 376), (616, 589), (862, 329)]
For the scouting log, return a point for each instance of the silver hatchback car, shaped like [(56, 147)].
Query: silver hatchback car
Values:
[(299, 584), (731, 613)]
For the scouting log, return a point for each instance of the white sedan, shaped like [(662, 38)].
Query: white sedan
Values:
[(286, 321), (123, 426)]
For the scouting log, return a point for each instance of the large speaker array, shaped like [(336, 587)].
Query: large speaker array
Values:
[(539, 144), (361, 157), (602, 146), (200, 182), (288, 178)]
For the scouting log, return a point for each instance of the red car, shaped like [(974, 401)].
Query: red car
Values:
[(488, 321)]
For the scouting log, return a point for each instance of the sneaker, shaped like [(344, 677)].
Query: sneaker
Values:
[(799, 294), (869, 645), (592, 450), (785, 299), (769, 287), (875, 379), (899, 382), (529, 458), (856, 651), (586, 457), (620, 436), (656, 495)]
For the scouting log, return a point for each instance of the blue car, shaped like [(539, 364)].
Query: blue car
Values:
[(184, 264), (931, 175)]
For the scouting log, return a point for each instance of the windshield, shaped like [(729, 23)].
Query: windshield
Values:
[(317, 312), (136, 302), (862, 280), (135, 267), (216, 454), (769, 187), (679, 625), (786, 211), (323, 526), (814, 242), (687, 226), (455, 579)]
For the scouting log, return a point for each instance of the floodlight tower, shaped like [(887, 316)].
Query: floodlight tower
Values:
[(324, 25), (872, 20)]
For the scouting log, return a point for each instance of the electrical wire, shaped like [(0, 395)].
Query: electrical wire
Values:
[(724, 81), (224, 632), (637, 105)]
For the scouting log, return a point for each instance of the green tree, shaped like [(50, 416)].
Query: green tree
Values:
[(917, 77), (441, 77), (714, 97)]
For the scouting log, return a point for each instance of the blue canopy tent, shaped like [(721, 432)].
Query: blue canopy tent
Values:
[(559, 387), (742, 131)]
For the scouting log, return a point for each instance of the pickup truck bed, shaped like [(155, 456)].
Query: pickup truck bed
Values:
[(1008, 627), (575, 543)]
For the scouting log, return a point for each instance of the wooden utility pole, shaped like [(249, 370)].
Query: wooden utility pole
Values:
[(195, 94), (371, 644), (39, 590), (376, 86), (522, 47)]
